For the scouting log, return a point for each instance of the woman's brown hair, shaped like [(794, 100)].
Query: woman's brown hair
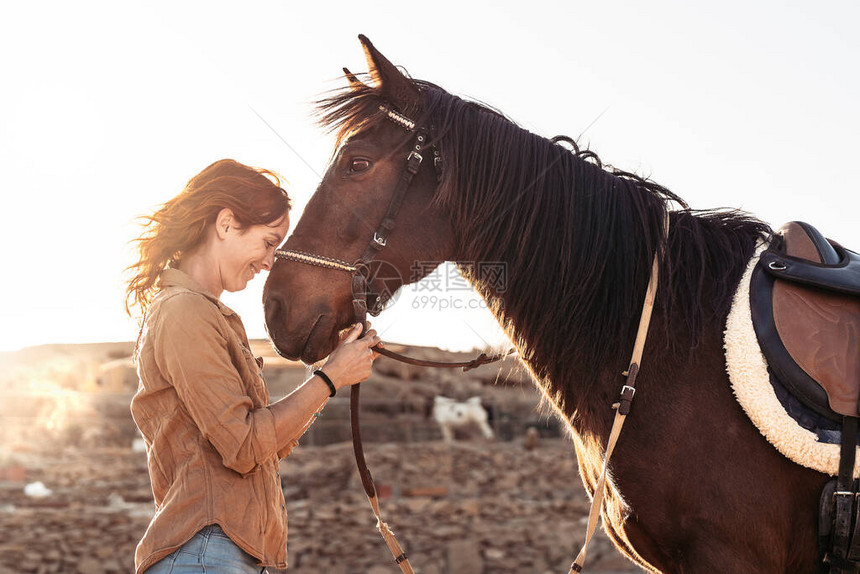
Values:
[(254, 195)]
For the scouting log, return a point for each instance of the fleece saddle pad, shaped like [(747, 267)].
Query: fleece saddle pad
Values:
[(800, 435)]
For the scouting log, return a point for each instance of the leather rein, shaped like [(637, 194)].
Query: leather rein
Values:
[(360, 271)]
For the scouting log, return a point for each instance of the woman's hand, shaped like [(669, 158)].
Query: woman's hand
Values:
[(352, 360)]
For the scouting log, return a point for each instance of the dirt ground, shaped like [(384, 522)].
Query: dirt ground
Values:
[(472, 506)]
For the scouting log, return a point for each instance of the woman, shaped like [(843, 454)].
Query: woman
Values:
[(213, 440)]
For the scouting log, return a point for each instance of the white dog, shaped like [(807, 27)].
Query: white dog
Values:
[(451, 414)]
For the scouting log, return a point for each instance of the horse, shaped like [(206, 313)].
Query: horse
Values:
[(692, 487)]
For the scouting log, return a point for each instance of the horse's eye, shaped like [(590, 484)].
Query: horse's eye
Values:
[(358, 165)]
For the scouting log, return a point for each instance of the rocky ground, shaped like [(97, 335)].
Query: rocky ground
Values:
[(472, 506)]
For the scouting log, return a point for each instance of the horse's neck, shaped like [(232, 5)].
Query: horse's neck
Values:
[(574, 249), (562, 376)]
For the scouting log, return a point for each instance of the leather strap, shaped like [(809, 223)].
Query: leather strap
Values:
[(481, 359), (843, 277), (845, 491), (359, 292), (622, 407), (361, 278)]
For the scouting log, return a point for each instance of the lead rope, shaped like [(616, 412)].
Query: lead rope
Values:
[(397, 552), (400, 558), (622, 408)]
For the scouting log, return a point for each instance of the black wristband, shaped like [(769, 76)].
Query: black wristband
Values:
[(327, 380)]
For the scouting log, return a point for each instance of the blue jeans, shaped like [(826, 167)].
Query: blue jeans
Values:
[(211, 551)]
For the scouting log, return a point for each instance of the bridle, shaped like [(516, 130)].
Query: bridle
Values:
[(360, 269), (360, 272)]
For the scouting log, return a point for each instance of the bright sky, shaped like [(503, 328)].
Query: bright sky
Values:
[(108, 108)]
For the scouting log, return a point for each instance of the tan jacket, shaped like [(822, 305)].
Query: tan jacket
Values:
[(210, 438)]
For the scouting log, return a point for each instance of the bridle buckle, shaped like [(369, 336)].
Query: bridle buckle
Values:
[(413, 162), (379, 240)]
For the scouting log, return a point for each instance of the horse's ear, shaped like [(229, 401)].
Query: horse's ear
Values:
[(395, 87), (353, 81)]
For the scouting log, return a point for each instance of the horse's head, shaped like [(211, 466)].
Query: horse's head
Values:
[(357, 217)]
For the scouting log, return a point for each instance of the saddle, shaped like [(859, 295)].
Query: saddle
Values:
[(805, 307), (805, 304)]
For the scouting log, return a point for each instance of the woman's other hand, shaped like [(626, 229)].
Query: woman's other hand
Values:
[(351, 362)]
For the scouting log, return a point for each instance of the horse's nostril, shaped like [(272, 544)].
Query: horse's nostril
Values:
[(274, 309)]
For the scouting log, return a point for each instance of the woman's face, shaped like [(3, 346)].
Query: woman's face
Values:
[(247, 251)]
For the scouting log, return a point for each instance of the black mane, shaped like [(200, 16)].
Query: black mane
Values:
[(578, 237)]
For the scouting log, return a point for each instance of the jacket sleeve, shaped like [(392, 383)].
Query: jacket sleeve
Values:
[(193, 354), (285, 452)]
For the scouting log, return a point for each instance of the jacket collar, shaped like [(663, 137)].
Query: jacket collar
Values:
[(171, 277)]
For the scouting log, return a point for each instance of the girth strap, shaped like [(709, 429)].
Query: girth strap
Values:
[(845, 493)]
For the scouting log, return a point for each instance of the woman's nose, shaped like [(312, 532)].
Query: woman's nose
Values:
[(269, 261)]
